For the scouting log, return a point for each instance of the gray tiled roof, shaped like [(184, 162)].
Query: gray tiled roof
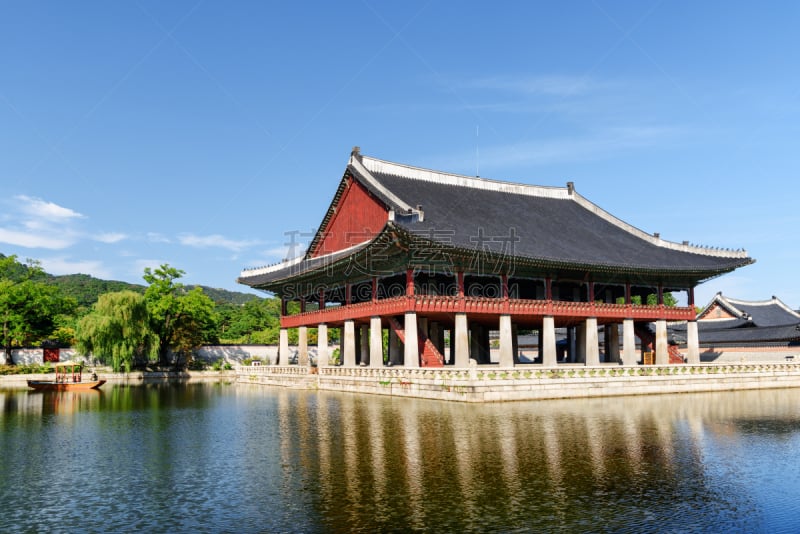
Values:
[(764, 334), (548, 225), (556, 229)]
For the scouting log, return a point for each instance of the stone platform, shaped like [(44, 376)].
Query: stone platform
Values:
[(491, 383)]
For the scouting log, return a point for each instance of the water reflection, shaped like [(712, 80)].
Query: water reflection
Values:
[(211, 457), (619, 464)]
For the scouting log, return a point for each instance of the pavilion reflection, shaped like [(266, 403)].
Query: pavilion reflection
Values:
[(435, 457)]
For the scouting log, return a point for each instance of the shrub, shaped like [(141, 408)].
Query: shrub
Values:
[(196, 365), (26, 369)]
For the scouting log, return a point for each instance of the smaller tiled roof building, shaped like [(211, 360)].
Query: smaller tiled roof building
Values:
[(728, 323)]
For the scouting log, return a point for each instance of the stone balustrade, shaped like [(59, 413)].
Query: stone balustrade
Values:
[(482, 383)]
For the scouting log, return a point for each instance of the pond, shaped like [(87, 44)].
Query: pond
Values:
[(216, 457)]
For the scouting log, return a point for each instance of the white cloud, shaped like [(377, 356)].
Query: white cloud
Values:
[(155, 237), (35, 239), (35, 223), (214, 240), (42, 209), (62, 265), (110, 237)]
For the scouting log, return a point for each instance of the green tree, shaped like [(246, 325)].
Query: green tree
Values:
[(28, 306), (117, 331), (652, 299), (162, 302), (194, 324), (259, 317), (182, 320)]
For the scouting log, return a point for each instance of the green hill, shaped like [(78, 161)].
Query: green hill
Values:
[(86, 289), (223, 296)]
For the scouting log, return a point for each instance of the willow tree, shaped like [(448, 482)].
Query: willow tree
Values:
[(117, 331)]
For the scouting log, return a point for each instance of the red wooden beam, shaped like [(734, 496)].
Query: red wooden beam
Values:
[(409, 282), (521, 308)]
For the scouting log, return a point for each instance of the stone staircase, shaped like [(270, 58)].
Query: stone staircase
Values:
[(648, 339), (429, 355)]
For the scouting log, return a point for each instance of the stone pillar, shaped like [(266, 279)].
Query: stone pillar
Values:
[(506, 342), (612, 348), (364, 353), (349, 344), (375, 342), (662, 352), (411, 346), (547, 339), (692, 343), (592, 342), (395, 351), (322, 345), (283, 347), (460, 342), (580, 343), (628, 343), (302, 345)]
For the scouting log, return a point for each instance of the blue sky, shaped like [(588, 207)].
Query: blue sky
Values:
[(199, 133)]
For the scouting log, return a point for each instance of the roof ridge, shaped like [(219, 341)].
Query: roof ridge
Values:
[(773, 301), (726, 304), (446, 178)]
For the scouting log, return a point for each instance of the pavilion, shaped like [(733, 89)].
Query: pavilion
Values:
[(425, 254)]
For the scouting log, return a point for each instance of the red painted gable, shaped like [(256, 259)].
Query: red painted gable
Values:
[(715, 311), (358, 217)]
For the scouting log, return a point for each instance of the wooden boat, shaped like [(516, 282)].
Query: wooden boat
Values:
[(69, 377)]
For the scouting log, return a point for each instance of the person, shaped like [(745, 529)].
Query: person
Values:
[(94, 376)]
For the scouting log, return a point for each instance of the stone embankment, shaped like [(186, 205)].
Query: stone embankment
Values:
[(138, 377), (495, 384)]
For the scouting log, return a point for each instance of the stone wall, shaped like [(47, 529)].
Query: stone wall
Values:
[(743, 355), (35, 356), (235, 354)]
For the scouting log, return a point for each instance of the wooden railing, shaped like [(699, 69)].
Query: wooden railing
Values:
[(430, 304)]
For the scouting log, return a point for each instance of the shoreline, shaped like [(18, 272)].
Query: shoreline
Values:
[(137, 377), (482, 383)]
